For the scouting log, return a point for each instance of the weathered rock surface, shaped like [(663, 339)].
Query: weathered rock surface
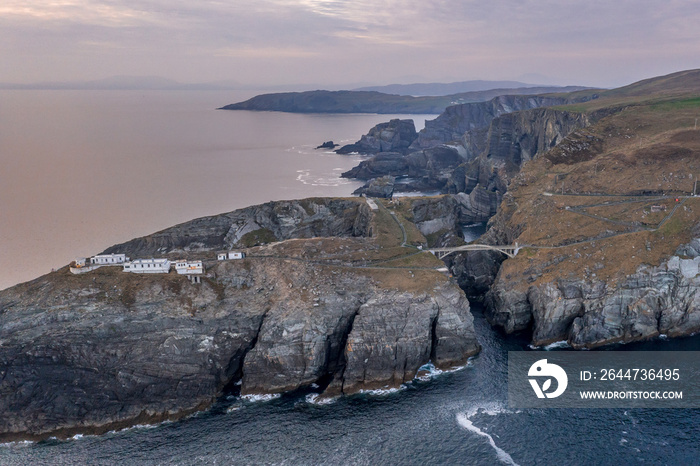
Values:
[(93, 352), (456, 120), (425, 170), (393, 136), (382, 187), (512, 140), (327, 145), (265, 223), (487, 148), (384, 164), (590, 313), (448, 212)]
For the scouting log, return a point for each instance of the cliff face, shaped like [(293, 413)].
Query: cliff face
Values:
[(265, 223), (490, 142), (393, 136), (459, 119), (447, 212), (610, 230), (654, 301), (512, 140), (106, 349)]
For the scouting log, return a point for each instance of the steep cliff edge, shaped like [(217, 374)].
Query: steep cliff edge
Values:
[(512, 140), (612, 230), (393, 136), (456, 120), (471, 144), (107, 349)]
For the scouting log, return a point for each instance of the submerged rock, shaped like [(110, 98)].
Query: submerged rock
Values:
[(327, 145)]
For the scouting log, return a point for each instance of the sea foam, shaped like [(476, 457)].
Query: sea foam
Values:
[(463, 419)]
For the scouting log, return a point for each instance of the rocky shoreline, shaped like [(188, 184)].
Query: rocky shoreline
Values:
[(93, 352), (340, 296)]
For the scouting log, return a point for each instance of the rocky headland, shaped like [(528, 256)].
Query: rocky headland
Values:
[(596, 187), (338, 296), (326, 297), (362, 101)]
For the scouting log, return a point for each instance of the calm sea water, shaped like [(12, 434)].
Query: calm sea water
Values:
[(83, 170)]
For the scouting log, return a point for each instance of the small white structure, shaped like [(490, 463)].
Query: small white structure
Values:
[(230, 255), (147, 266), (80, 262), (189, 267), (109, 259)]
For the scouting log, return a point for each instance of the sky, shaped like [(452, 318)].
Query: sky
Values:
[(604, 43)]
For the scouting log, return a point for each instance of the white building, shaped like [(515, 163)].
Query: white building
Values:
[(230, 255), (109, 259), (147, 266), (189, 267), (80, 262)]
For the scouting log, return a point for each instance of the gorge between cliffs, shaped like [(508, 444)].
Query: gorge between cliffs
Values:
[(339, 295)]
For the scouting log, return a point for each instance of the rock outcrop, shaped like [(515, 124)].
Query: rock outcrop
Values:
[(378, 187), (327, 145), (265, 223), (590, 313), (428, 169), (512, 140), (393, 136), (93, 352), (456, 120)]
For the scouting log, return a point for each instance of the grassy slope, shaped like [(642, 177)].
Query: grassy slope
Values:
[(648, 146)]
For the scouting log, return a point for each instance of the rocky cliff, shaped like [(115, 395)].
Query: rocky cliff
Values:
[(610, 230), (107, 349), (587, 313), (511, 140), (489, 143), (393, 136), (456, 120), (265, 223)]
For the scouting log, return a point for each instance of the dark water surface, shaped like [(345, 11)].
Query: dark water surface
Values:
[(454, 418)]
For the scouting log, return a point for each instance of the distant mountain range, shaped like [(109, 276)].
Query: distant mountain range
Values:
[(126, 83), (160, 83), (438, 89)]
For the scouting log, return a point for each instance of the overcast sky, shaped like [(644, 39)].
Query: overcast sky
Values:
[(268, 42)]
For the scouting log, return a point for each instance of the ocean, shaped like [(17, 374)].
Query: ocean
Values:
[(459, 417), (82, 170)]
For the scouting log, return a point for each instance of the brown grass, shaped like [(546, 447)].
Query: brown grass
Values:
[(644, 150)]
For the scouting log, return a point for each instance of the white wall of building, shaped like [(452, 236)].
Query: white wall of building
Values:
[(148, 266), (106, 259)]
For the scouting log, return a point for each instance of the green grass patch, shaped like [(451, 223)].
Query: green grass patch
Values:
[(682, 104), (257, 237), (674, 226)]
